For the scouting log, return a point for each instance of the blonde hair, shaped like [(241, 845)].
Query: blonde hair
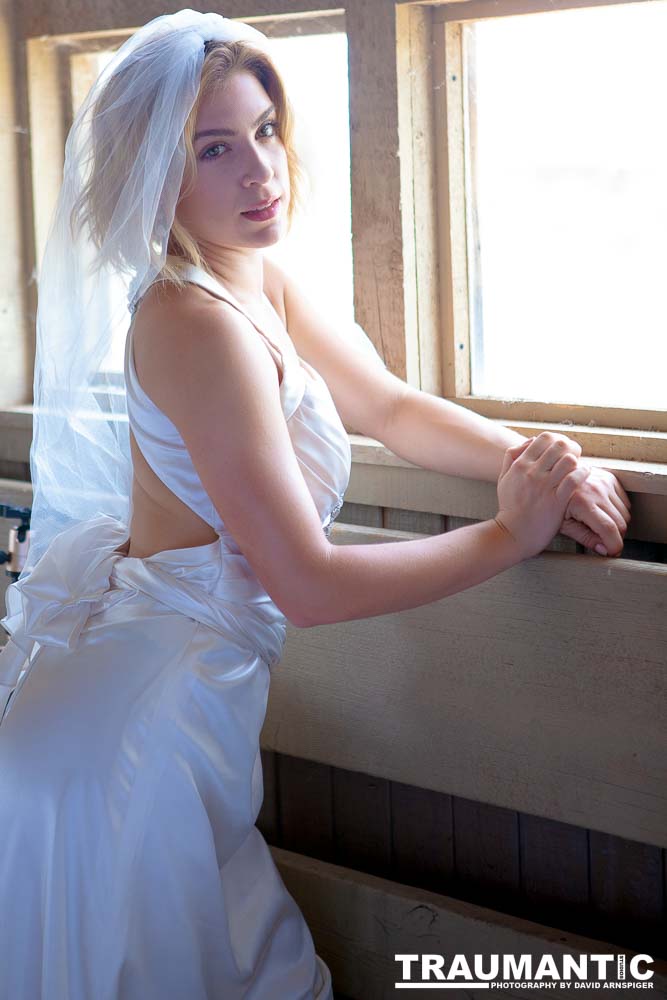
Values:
[(109, 160)]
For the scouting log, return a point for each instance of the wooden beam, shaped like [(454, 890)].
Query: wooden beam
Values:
[(16, 342), (541, 690), (375, 181), (70, 17), (419, 197), (360, 922)]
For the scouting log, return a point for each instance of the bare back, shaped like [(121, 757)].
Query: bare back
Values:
[(160, 520)]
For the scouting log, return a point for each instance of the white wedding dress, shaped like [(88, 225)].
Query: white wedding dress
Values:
[(130, 774)]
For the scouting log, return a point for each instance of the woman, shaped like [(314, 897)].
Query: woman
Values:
[(130, 773)]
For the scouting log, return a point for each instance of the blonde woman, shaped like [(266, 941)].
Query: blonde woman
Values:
[(142, 637)]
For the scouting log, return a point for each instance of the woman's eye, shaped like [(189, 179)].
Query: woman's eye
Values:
[(205, 155), (220, 145), (274, 125)]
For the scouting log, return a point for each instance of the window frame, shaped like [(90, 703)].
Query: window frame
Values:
[(603, 431)]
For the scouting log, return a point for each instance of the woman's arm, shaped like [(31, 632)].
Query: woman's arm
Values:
[(362, 581), (437, 434), (424, 429)]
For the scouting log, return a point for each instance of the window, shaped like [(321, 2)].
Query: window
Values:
[(555, 161), (319, 248)]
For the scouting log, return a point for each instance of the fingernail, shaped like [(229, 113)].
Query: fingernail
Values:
[(601, 550)]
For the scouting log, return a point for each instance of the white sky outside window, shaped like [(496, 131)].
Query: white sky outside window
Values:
[(318, 250), (571, 206)]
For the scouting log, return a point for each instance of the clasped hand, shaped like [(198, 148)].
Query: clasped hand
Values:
[(598, 512)]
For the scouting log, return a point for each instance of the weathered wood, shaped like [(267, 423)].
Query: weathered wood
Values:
[(486, 851), (473, 10), (422, 837), (268, 821), (379, 268), (72, 17), (380, 478), (306, 812), (16, 339), (541, 690), (554, 863), (362, 815), (419, 217), (359, 922)]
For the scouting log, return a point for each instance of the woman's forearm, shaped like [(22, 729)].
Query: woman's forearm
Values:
[(437, 434), (361, 581)]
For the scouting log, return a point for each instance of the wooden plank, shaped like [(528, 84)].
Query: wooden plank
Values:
[(626, 880), (305, 806), (419, 522), (379, 304), (469, 10), (386, 480), (541, 690), (419, 218), (486, 851), (554, 864), (268, 821), (422, 837), (361, 514), (362, 821), (68, 17), (641, 477), (359, 922), (451, 186), (579, 418), (16, 342)]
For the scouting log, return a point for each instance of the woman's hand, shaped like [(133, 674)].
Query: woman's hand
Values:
[(598, 513), (535, 485)]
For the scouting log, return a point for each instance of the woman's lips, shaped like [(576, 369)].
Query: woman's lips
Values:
[(264, 213)]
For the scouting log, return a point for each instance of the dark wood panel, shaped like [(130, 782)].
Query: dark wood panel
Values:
[(362, 821), (422, 837), (553, 873), (486, 852), (268, 819), (627, 891), (305, 808)]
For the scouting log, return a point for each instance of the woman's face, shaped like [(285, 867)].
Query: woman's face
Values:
[(237, 172)]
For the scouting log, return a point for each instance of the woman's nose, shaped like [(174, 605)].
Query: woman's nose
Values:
[(258, 167)]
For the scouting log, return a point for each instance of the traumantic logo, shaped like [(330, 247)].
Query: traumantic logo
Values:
[(503, 972)]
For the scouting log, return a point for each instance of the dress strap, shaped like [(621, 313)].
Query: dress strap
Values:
[(293, 381), (198, 276)]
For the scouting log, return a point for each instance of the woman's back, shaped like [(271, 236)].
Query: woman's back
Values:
[(160, 519)]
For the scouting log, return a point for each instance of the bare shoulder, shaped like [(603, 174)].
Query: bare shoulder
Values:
[(183, 335)]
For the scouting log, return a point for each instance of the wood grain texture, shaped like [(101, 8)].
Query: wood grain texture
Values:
[(359, 922), (542, 690), (379, 304), (306, 806)]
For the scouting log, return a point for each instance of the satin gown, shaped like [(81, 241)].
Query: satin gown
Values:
[(131, 867)]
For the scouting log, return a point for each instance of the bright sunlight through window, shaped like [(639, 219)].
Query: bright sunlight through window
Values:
[(566, 165)]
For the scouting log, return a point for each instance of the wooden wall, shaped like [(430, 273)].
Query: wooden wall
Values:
[(504, 748)]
